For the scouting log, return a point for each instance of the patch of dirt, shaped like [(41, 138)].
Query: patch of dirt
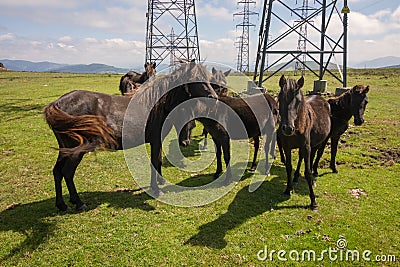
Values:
[(387, 157), (357, 193)]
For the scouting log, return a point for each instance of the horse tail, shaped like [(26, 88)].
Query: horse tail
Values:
[(87, 131)]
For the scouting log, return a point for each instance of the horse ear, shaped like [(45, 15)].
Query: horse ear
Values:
[(213, 70), (366, 90), (282, 81), (300, 82), (192, 60), (145, 64), (226, 73)]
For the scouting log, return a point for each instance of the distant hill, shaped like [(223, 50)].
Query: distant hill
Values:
[(24, 65), (392, 67), (91, 68), (381, 62)]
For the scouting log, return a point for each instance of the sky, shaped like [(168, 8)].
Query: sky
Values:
[(113, 31)]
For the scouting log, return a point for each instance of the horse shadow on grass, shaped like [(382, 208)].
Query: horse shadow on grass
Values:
[(37, 220), (247, 205)]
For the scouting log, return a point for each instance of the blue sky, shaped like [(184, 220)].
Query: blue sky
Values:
[(113, 32)]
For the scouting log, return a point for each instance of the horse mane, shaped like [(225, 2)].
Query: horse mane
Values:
[(304, 111), (154, 89)]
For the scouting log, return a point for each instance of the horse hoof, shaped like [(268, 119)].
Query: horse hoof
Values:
[(226, 182), (286, 194), (314, 208), (63, 207), (83, 207), (161, 181), (252, 169), (157, 193), (216, 175)]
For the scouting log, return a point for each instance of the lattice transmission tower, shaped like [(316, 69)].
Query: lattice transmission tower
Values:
[(243, 40), (320, 40), (299, 66), (171, 31)]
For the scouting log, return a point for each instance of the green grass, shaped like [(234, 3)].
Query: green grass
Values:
[(124, 226)]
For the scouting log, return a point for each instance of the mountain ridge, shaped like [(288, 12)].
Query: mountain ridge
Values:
[(46, 66)]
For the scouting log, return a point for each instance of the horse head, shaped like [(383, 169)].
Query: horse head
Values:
[(219, 82), (150, 69), (358, 102), (290, 100)]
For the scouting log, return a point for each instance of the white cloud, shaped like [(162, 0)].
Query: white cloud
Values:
[(40, 3), (395, 17), (117, 52), (213, 12), (7, 37), (65, 39), (364, 49)]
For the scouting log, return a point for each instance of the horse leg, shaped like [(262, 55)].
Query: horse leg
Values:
[(68, 170), (58, 176), (227, 158), (156, 162), (256, 147), (334, 147), (288, 165), (308, 174), (320, 152), (281, 152), (218, 153), (205, 139), (269, 149), (297, 172)]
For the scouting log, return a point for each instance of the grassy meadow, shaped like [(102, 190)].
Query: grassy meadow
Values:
[(126, 227)]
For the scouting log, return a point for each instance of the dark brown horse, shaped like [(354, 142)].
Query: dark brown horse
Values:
[(257, 113), (218, 83), (304, 124), (83, 121), (350, 104), (132, 80)]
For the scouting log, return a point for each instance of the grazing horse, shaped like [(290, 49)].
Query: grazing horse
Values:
[(349, 104), (132, 80), (83, 121), (304, 124)]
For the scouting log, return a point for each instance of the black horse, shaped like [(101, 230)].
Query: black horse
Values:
[(349, 104), (132, 80), (83, 121), (304, 124)]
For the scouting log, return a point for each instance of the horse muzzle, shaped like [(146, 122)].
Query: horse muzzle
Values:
[(358, 121), (288, 130)]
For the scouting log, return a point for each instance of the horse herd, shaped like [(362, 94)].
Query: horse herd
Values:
[(83, 121)]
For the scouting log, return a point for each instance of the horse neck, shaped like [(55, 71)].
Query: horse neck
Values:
[(340, 107), (143, 77), (303, 117)]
